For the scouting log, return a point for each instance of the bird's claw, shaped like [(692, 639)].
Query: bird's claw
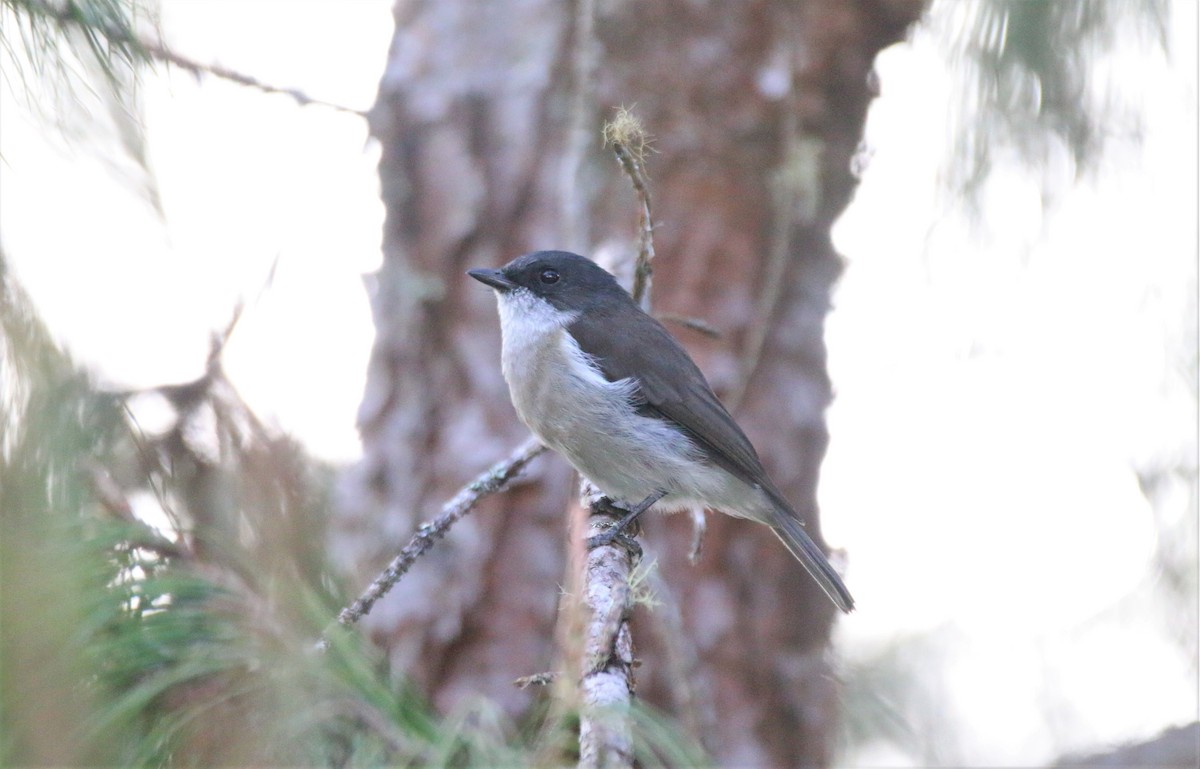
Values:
[(620, 511), (612, 506), (616, 537)]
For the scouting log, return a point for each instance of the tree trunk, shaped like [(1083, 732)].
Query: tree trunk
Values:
[(489, 118)]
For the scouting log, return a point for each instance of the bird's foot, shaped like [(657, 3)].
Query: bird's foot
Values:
[(626, 517), (614, 536), (628, 521)]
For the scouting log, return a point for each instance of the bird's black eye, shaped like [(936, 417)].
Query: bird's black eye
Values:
[(549, 277)]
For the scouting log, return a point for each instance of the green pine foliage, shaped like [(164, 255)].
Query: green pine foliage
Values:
[(126, 645), (105, 29), (1029, 78), (193, 643)]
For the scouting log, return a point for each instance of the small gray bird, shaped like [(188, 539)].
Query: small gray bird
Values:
[(602, 383)]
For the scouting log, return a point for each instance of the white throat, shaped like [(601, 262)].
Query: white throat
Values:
[(527, 324)]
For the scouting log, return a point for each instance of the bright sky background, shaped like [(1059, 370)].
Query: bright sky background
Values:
[(996, 393), (245, 178)]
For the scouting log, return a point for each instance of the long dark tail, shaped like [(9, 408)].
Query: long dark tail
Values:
[(791, 532)]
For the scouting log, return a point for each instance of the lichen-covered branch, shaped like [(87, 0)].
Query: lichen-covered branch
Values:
[(630, 142), (491, 481), (606, 683)]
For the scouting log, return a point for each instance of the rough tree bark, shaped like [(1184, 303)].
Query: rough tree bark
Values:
[(757, 107)]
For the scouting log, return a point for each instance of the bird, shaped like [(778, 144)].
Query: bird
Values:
[(604, 384)]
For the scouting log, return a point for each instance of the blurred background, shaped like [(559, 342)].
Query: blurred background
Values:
[(950, 249)]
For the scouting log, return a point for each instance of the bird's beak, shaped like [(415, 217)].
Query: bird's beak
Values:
[(493, 278)]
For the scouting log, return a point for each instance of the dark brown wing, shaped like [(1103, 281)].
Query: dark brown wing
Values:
[(669, 386)]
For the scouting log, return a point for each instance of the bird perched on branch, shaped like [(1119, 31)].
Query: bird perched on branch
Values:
[(604, 384)]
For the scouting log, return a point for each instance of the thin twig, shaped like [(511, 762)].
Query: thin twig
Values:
[(495, 479), (113, 499), (630, 142), (537, 679), (687, 321), (768, 302), (784, 196), (160, 52), (69, 15), (139, 444)]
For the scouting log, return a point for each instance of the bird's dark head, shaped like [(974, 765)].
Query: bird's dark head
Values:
[(569, 282)]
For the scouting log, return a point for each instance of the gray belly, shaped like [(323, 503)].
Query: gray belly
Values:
[(566, 402)]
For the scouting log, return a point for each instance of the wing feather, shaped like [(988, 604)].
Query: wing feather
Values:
[(670, 386)]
